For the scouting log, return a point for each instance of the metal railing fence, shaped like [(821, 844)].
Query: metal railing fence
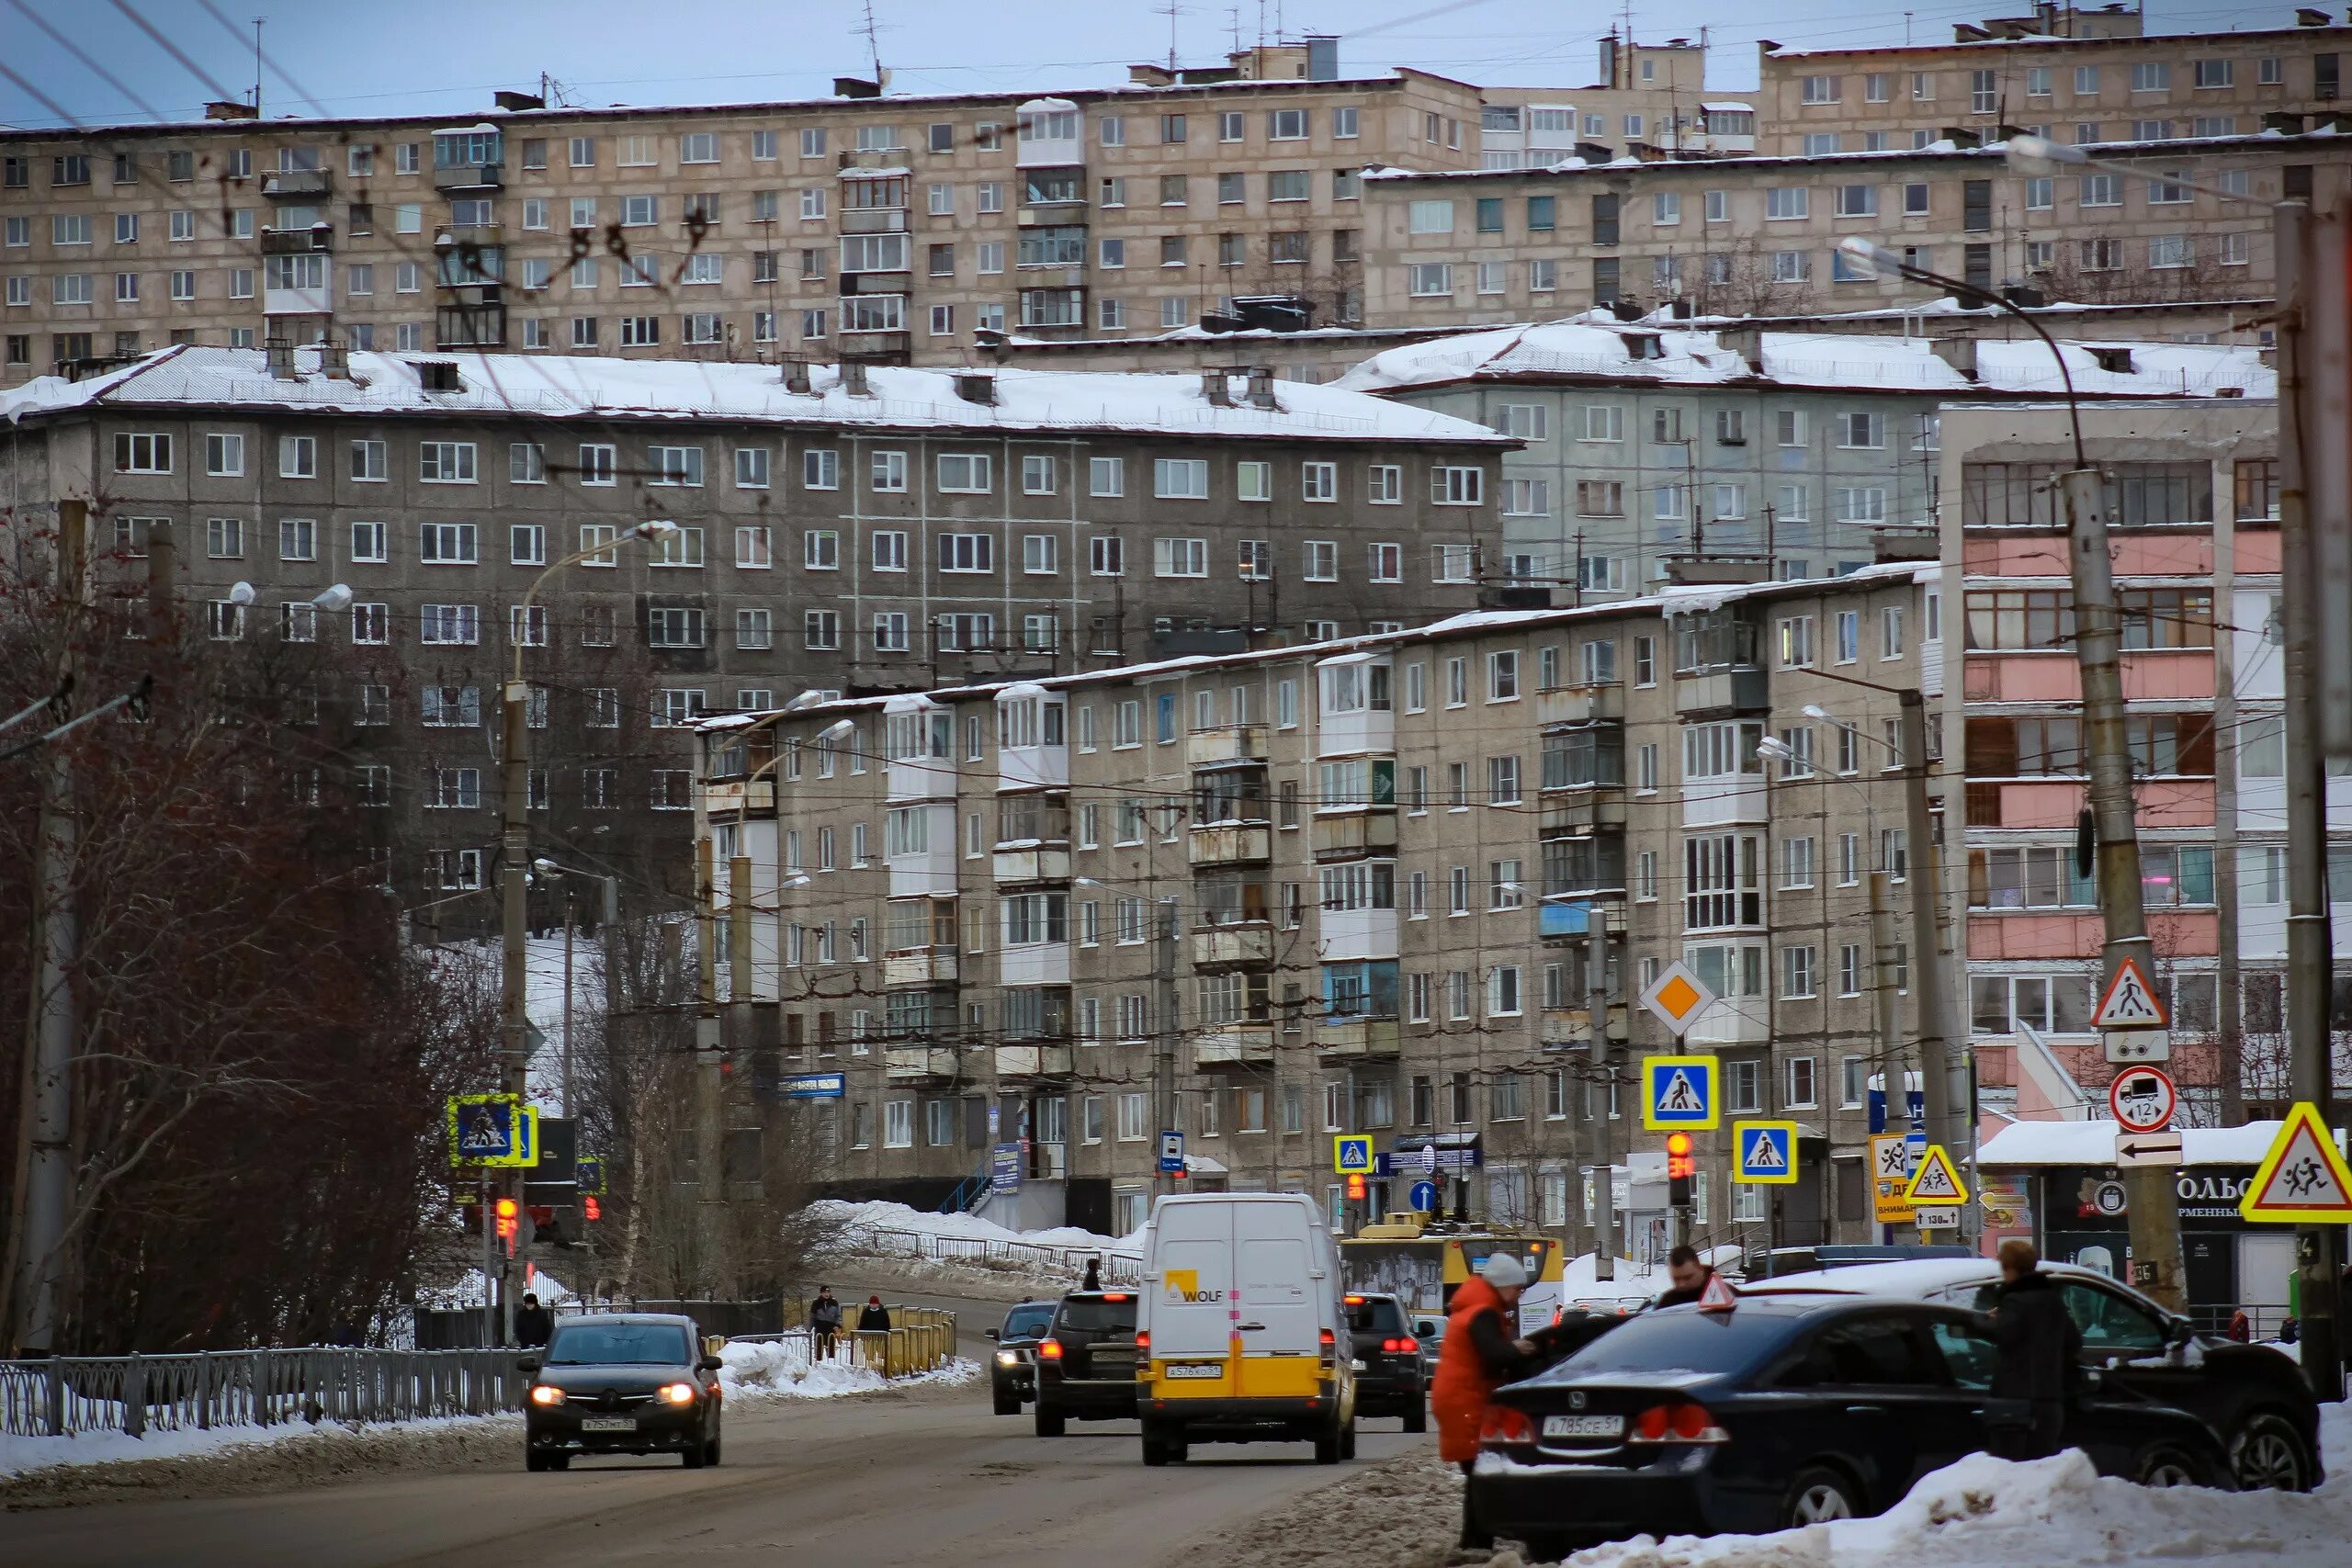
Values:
[(201, 1391)]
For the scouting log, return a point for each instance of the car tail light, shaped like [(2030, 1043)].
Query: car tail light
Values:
[(1114, 1295), (1353, 1301), (1142, 1341), (1502, 1424), (546, 1394), (1681, 1422), (1049, 1349), (1400, 1346), (678, 1392)]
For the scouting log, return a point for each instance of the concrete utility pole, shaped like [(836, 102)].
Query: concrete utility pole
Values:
[(1894, 1060), (2150, 1190), (2314, 469), (1942, 1077), (514, 1012), (1596, 1012), (709, 1180)]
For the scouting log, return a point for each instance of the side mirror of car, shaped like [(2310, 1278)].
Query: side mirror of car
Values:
[(528, 1366), (989, 1332), (710, 1364), (2179, 1332)]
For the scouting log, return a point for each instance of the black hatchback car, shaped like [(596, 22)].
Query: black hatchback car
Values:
[(621, 1383), (1781, 1412), (1086, 1360), (1391, 1377), (1013, 1371)]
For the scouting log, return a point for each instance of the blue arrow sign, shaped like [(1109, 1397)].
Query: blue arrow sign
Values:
[(1423, 1197)]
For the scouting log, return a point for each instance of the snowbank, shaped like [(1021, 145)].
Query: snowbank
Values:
[(782, 1369), (1635, 1282), (22, 1455), (854, 1218)]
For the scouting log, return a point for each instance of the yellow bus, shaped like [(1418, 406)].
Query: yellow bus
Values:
[(1424, 1268)]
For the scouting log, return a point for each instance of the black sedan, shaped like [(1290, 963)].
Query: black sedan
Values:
[(1013, 1371), (1390, 1378), (622, 1384), (1783, 1412), (1086, 1362)]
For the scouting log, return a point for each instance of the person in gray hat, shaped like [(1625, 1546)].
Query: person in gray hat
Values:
[(1483, 1350)]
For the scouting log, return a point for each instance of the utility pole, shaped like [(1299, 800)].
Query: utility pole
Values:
[(1942, 1080), (570, 923), (1894, 1060), (2312, 349), (514, 868), (1596, 1012), (2149, 1189), (44, 1181), (708, 1179)]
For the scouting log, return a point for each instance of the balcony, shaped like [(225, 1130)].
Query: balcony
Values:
[(481, 236), (467, 325), (873, 219), (1235, 1045), (1226, 746), (1032, 1062), (1732, 689), (471, 176), (924, 966), (1350, 936), (1580, 811), (1348, 835), (1356, 1039), (877, 345), (1230, 843), (727, 796), (1032, 863), (298, 242), (1034, 963), (920, 1064), (298, 184), (1224, 946), (1601, 702)]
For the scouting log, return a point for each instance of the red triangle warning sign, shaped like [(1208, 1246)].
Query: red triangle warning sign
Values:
[(2302, 1179), (2130, 1002), (1718, 1296)]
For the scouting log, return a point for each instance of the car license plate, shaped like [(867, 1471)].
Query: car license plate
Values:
[(1583, 1425), (1196, 1369), (609, 1423)]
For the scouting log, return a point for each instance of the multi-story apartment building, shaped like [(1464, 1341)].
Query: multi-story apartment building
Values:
[(2195, 499), (1759, 236), (1654, 93), (1385, 885), (891, 227), (1643, 445), (855, 529), (2072, 76)]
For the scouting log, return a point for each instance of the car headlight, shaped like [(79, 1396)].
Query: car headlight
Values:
[(678, 1392), (546, 1394), (1007, 1358)]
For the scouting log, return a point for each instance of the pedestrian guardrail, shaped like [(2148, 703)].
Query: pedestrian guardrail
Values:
[(920, 1339), (202, 1390), (1116, 1268)]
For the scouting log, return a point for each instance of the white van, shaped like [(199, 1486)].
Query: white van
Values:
[(1241, 1332)]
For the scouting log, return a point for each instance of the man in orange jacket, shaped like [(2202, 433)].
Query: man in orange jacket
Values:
[(1483, 1350)]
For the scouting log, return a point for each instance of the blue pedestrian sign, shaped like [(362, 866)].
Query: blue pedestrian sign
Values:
[(1767, 1153), (1423, 1198), (1678, 1091), (1351, 1153), (1171, 1153), (588, 1175), (492, 1129), (814, 1086)]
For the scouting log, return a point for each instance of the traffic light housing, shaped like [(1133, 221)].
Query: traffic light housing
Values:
[(509, 1218), (590, 1209), (1355, 1189), (1680, 1162)]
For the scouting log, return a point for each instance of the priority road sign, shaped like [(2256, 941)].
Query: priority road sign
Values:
[(1351, 1153), (1767, 1153), (1678, 1091), (2130, 1001), (1935, 1182), (2143, 1100), (1677, 997), (2303, 1180)]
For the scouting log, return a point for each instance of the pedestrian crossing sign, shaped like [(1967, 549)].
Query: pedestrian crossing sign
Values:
[(1351, 1153), (1767, 1153), (1935, 1182), (1678, 1092), (2302, 1179), (2130, 1002)]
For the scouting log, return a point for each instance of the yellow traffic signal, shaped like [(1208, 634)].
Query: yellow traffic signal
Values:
[(1680, 1165)]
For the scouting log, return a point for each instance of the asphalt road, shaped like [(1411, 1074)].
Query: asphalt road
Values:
[(928, 1476)]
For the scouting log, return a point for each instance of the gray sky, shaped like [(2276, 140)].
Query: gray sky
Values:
[(430, 56)]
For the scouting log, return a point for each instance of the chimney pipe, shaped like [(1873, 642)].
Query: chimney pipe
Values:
[(1261, 387), (1216, 388), (854, 379)]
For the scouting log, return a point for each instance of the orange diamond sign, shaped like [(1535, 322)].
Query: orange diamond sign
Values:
[(1677, 997)]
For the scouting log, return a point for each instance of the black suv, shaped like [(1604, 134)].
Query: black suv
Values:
[(1013, 1371), (622, 1384), (1086, 1360), (1391, 1378)]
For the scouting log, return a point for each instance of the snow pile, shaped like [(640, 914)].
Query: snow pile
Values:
[(781, 1369), (1635, 1282), (22, 1455), (855, 1220)]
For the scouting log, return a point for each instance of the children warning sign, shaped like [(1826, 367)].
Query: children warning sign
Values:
[(1935, 1182), (2302, 1179)]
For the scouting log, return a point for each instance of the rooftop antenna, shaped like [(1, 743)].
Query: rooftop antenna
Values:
[(1233, 23), (873, 44), (1172, 11), (257, 21)]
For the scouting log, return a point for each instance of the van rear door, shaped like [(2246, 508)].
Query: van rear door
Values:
[(1282, 1314), (1191, 1311)]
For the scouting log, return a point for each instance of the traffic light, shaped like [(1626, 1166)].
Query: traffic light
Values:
[(1355, 1189), (590, 1209), (1680, 1163), (509, 1220)]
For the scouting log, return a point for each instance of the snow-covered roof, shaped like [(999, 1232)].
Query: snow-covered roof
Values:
[(2093, 1143), (1048, 105), (1729, 107), (1598, 345), (1669, 601), (547, 387), (2040, 40)]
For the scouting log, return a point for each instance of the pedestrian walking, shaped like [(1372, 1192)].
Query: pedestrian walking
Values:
[(873, 1319), (533, 1323), (824, 1322), (1093, 1280), (1482, 1351), (1686, 1276), (2039, 1349)]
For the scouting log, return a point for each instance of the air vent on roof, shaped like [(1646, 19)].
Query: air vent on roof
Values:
[(976, 386), (2114, 361), (437, 375), (507, 100)]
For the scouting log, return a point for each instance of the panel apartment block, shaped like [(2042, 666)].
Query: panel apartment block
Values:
[(1387, 885)]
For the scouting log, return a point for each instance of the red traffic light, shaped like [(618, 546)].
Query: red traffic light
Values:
[(508, 1209), (1678, 1159), (590, 1210), (1355, 1189)]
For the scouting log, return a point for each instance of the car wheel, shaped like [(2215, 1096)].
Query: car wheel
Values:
[(1327, 1446), (1155, 1448), (1050, 1421), (1007, 1403), (2166, 1465), (1418, 1419), (2268, 1453), (558, 1461), (1817, 1495), (533, 1462), (710, 1455), (1347, 1441)]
